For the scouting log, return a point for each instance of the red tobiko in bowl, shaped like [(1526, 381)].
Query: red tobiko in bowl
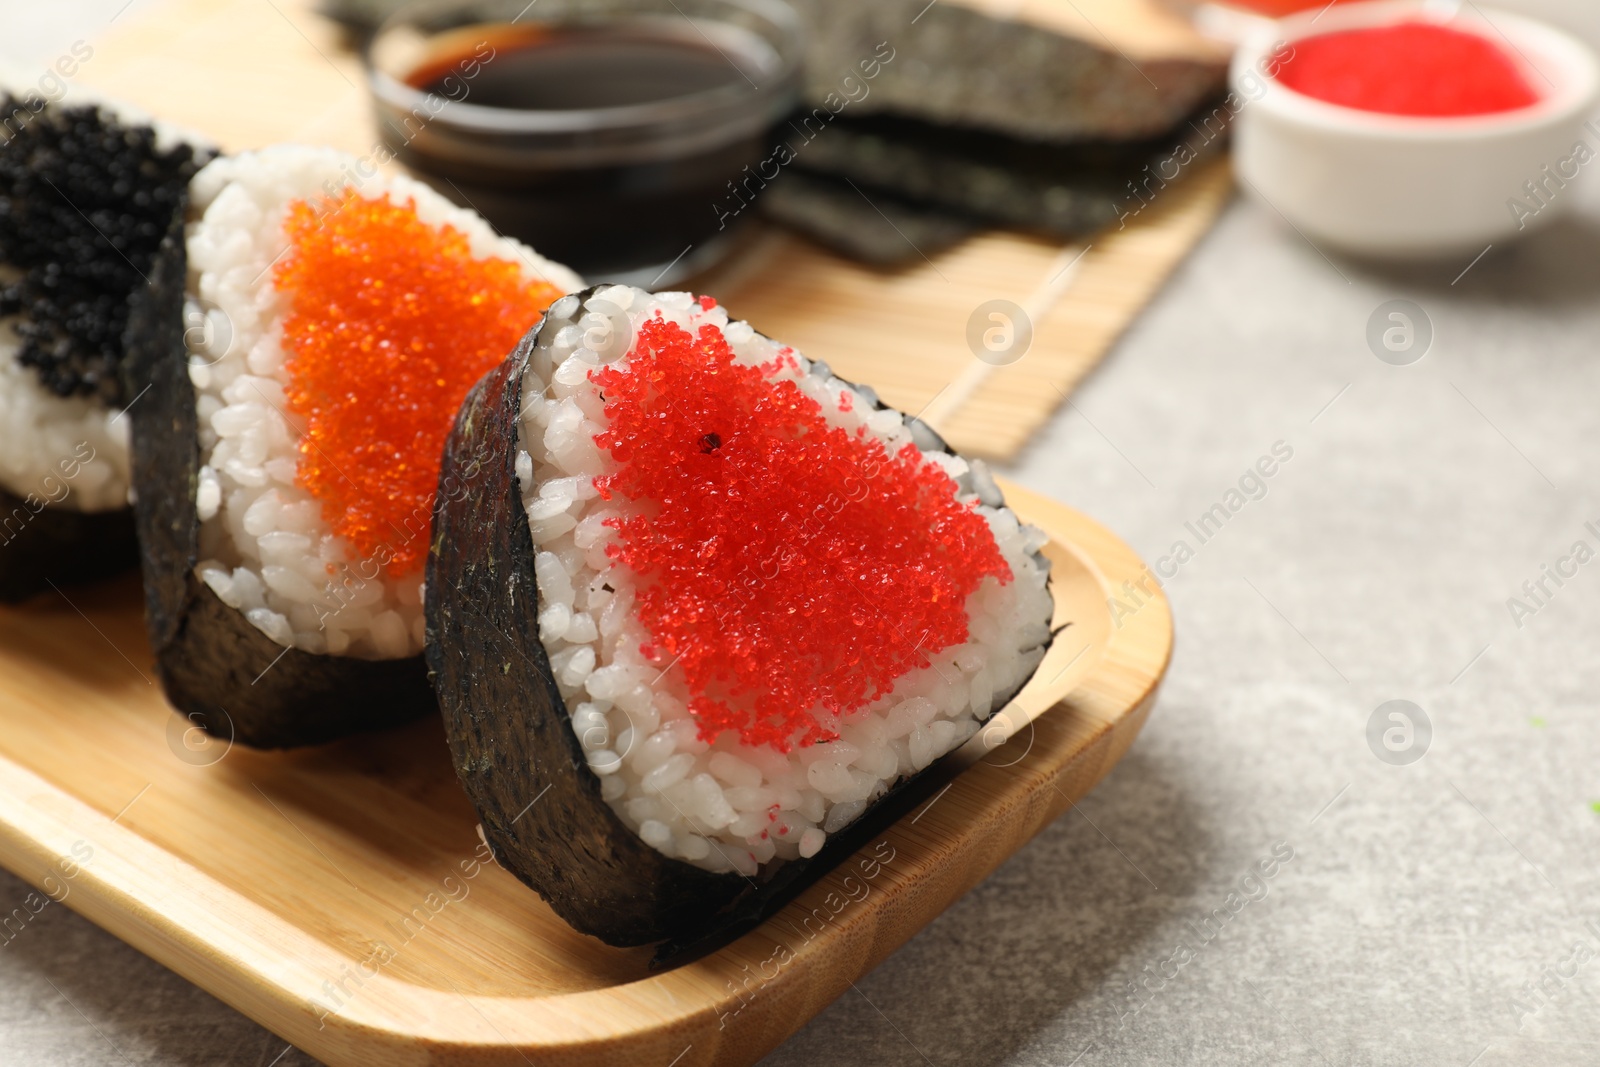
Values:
[(1390, 129)]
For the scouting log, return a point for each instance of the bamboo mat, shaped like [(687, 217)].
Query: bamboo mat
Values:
[(253, 72)]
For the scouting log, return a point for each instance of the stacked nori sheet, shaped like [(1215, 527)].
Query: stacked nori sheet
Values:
[(970, 122)]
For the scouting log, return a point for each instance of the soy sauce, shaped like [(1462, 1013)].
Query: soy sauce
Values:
[(555, 134), (579, 68)]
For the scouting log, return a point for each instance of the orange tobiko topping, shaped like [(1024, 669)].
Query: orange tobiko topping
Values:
[(793, 570), (391, 320)]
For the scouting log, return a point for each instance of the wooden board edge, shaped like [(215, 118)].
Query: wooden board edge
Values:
[(140, 893)]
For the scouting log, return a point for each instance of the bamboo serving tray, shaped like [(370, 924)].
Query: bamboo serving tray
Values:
[(339, 895)]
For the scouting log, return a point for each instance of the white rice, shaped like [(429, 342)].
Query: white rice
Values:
[(713, 804), (44, 436), (265, 547)]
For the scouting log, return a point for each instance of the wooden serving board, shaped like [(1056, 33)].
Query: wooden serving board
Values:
[(249, 73), (336, 895)]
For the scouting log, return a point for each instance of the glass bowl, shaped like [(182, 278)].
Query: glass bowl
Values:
[(604, 133)]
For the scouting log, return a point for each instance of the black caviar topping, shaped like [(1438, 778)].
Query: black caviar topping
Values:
[(84, 203)]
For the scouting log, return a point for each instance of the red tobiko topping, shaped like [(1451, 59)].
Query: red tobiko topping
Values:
[(1410, 68), (792, 570)]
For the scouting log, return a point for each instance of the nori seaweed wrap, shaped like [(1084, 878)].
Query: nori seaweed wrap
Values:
[(701, 614), (307, 339)]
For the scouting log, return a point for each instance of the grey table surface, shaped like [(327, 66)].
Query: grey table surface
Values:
[(1437, 912)]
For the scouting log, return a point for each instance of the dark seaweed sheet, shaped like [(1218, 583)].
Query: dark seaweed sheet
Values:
[(214, 664), (939, 182), (884, 230), (953, 66), (44, 546), (511, 739), (510, 734)]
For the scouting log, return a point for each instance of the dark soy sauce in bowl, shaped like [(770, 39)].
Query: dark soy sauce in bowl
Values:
[(603, 136), (583, 68)]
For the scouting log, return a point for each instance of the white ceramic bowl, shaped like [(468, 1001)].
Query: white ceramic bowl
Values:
[(1397, 186)]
